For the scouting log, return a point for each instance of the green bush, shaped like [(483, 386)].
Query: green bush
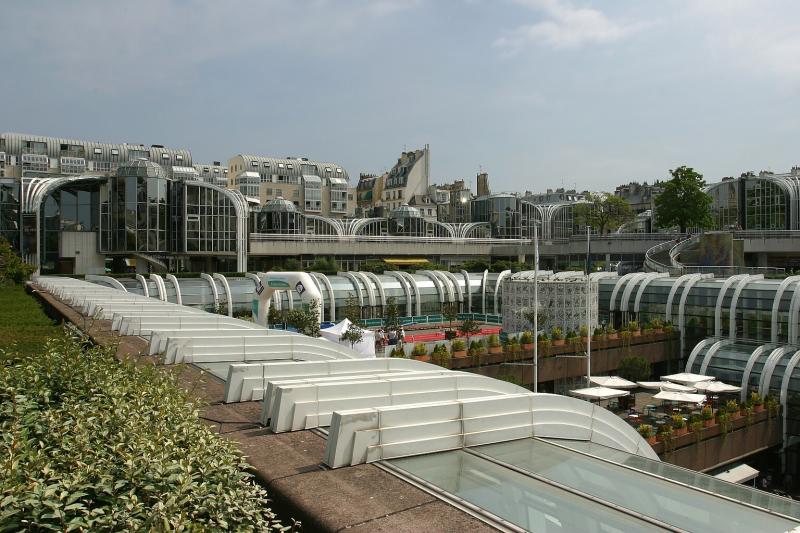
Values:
[(634, 368), (13, 270), (92, 444), (459, 345)]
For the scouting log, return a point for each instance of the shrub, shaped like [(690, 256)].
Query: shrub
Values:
[(23, 324), (440, 355), (556, 334), (678, 422), (645, 430), (571, 335), (633, 326), (459, 345), (656, 323), (419, 349), (13, 270), (526, 338), (597, 333), (494, 341), (732, 406), (610, 330), (707, 413), (584, 331), (476, 347), (398, 351), (755, 399), (634, 368), (99, 445)]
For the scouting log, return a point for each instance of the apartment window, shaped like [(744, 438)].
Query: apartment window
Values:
[(216, 171), (280, 165), (164, 156), (295, 194), (289, 166), (205, 169), (266, 165), (225, 171), (254, 164), (98, 150), (114, 151), (278, 192), (269, 192), (179, 157), (338, 170)]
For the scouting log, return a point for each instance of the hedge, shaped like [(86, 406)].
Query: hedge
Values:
[(93, 444)]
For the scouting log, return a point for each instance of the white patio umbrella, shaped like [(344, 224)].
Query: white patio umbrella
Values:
[(716, 387), (687, 378), (614, 382), (680, 397), (665, 385), (599, 393)]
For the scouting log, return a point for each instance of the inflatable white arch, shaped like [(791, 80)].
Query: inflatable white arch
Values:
[(300, 282)]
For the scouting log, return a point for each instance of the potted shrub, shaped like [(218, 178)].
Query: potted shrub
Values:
[(708, 416), (657, 325), (475, 348), (732, 406), (420, 353), (558, 337), (544, 342), (646, 431), (679, 425), (696, 426), (494, 344), (668, 327), (633, 328), (665, 436), (724, 420), (397, 351), (459, 348), (440, 355), (584, 333), (572, 337), (597, 334), (527, 340), (758, 404), (611, 333), (647, 329), (772, 405)]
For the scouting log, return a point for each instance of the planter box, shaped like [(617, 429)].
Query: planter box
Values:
[(527, 346), (423, 358), (708, 423), (460, 354), (558, 342), (612, 336), (495, 349)]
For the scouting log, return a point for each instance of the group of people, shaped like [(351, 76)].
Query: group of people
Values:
[(391, 337)]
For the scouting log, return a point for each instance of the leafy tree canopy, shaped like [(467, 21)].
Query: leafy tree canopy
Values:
[(604, 212), (634, 368), (683, 202)]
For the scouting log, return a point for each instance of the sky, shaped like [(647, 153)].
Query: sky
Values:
[(538, 93)]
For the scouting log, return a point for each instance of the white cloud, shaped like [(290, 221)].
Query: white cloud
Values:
[(566, 27)]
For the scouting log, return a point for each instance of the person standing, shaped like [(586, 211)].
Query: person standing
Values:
[(392, 337), (401, 337)]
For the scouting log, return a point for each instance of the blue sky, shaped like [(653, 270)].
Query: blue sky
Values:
[(539, 93)]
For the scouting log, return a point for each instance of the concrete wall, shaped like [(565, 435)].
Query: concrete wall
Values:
[(82, 246)]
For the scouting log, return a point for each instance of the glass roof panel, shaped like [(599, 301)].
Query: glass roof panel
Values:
[(742, 493), (519, 499), (640, 492)]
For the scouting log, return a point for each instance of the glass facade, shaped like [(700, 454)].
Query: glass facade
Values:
[(10, 211), (210, 219), (765, 205)]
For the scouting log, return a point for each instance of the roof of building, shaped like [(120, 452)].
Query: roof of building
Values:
[(141, 167), (279, 205), (405, 211), (293, 166)]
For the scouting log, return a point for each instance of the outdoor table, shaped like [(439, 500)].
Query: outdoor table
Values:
[(649, 408)]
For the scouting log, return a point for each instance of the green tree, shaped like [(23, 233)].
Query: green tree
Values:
[(682, 202), (603, 211), (376, 267), (450, 313), (634, 368), (391, 314), (13, 270), (325, 265), (306, 321), (469, 328), (352, 309), (542, 319), (353, 335), (273, 315), (292, 265)]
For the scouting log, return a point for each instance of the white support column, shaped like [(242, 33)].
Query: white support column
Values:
[(735, 300), (748, 368), (329, 290), (712, 352), (776, 305), (643, 285), (381, 294), (484, 281), (621, 282), (695, 352), (160, 287), (671, 296), (406, 289), (214, 292), (413, 284), (367, 286), (437, 283), (626, 294), (114, 282), (467, 290), (178, 296), (502, 275), (794, 309), (354, 282), (682, 307), (769, 368), (143, 282), (229, 294), (457, 292), (721, 300), (784, 397)]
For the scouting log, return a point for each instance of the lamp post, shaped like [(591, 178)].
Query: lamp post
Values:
[(588, 313), (535, 308)]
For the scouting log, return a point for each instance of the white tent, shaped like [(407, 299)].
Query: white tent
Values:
[(665, 385), (366, 347), (717, 387), (686, 378), (739, 474), (681, 397), (599, 393), (614, 382)]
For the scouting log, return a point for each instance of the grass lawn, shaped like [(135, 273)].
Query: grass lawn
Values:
[(22, 320)]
